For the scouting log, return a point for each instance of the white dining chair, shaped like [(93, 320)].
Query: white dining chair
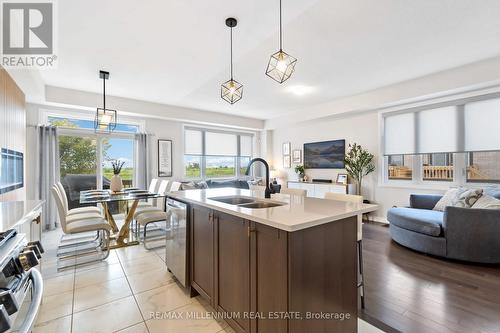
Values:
[(355, 199), (176, 186), (74, 211), (294, 191), (160, 202), (153, 188), (95, 224)]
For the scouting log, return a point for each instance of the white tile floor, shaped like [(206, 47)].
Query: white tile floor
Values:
[(121, 295)]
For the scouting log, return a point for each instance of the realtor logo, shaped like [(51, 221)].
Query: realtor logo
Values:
[(28, 34)]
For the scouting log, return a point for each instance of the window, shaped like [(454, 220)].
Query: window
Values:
[(88, 124), (437, 167), (216, 154), (483, 167), (119, 149), (400, 167)]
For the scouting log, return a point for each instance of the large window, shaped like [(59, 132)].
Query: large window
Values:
[(453, 142), (216, 154)]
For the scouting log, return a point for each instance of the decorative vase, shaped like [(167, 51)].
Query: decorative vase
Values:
[(301, 177), (116, 183)]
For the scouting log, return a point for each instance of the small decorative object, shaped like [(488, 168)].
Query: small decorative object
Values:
[(286, 148), (297, 156), (286, 162), (358, 163), (342, 178), (116, 181), (105, 119), (231, 91), (281, 65), (164, 158), (299, 170)]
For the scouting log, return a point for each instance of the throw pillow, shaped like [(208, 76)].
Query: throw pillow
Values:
[(487, 202), (447, 199), (467, 198)]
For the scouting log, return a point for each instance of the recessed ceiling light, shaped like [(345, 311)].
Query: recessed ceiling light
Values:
[(300, 90)]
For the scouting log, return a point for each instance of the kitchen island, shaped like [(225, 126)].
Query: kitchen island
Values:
[(285, 264)]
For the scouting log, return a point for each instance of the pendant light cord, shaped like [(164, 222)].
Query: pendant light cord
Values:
[(231, 33), (281, 31), (104, 93)]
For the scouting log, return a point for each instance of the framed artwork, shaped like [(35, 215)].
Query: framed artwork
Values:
[(286, 148), (297, 156), (342, 178), (164, 158), (286, 162)]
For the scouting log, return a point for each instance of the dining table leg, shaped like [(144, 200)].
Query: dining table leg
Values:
[(109, 217), (125, 229)]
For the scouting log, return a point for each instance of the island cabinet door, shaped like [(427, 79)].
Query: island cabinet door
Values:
[(202, 251), (232, 267), (269, 287)]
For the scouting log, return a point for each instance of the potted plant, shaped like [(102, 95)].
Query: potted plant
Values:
[(116, 181), (299, 170), (358, 163)]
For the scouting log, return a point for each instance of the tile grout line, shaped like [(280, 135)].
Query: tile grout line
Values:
[(133, 294)]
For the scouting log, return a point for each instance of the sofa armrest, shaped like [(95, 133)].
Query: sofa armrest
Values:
[(472, 234), (424, 201)]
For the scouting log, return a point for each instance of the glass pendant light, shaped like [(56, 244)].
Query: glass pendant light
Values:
[(281, 65), (105, 119), (231, 91)]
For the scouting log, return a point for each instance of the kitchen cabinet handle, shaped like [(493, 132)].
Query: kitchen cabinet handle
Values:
[(250, 231)]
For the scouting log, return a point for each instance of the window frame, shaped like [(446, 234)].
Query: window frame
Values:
[(203, 156)]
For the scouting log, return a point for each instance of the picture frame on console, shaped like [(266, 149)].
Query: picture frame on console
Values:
[(342, 178)]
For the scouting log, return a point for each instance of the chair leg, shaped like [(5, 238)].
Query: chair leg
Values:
[(361, 284)]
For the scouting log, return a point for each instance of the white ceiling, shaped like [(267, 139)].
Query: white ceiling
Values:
[(177, 52)]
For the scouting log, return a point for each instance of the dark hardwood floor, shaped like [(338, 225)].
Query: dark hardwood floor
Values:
[(413, 292)]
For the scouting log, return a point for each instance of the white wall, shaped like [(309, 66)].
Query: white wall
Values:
[(362, 129)]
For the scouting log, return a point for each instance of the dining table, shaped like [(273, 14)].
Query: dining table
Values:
[(120, 236)]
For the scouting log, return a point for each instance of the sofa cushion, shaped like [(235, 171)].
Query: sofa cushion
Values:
[(235, 183), (487, 202), (447, 199), (423, 221), (492, 191), (467, 198)]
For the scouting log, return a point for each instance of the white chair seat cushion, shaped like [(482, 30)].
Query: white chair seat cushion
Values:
[(88, 225), (83, 210), (83, 216), (142, 210), (151, 216)]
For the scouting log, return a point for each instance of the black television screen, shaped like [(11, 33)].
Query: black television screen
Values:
[(324, 155)]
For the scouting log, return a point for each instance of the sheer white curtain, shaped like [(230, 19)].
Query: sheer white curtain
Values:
[(47, 171), (143, 161)]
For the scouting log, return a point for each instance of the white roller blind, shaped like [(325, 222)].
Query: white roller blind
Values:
[(399, 134), (482, 125), (245, 145), (193, 142), (437, 130), (221, 144)]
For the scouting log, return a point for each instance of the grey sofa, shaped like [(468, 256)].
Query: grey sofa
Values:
[(466, 234)]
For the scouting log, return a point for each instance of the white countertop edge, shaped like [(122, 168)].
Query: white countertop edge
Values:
[(285, 227)]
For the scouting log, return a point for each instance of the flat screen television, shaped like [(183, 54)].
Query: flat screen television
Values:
[(324, 155)]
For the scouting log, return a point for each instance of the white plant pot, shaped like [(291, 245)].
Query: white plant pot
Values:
[(116, 183)]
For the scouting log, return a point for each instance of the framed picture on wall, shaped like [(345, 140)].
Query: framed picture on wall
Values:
[(164, 158), (286, 148), (286, 162), (297, 156)]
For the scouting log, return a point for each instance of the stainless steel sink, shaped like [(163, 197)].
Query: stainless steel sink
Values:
[(234, 200), (261, 204), (247, 202)]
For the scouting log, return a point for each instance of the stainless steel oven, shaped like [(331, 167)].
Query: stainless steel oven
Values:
[(21, 284)]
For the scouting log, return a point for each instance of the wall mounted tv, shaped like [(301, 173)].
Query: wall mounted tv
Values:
[(324, 155)]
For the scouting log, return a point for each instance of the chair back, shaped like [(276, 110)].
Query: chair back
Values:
[(176, 186), (153, 185), (294, 191), (64, 197), (349, 198), (162, 189), (261, 188), (60, 207)]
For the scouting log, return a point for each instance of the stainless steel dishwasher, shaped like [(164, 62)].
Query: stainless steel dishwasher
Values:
[(176, 243)]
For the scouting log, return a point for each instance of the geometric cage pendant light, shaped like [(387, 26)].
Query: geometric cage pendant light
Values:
[(231, 91), (281, 65), (105, 119)]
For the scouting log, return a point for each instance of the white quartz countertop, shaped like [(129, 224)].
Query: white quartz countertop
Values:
[(298, 212), (14, 213)]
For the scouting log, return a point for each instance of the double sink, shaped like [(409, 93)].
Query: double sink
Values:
[(247, 202)]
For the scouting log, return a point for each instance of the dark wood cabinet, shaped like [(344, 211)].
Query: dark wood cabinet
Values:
[(202, 251), (232, 269), (265, 274)]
